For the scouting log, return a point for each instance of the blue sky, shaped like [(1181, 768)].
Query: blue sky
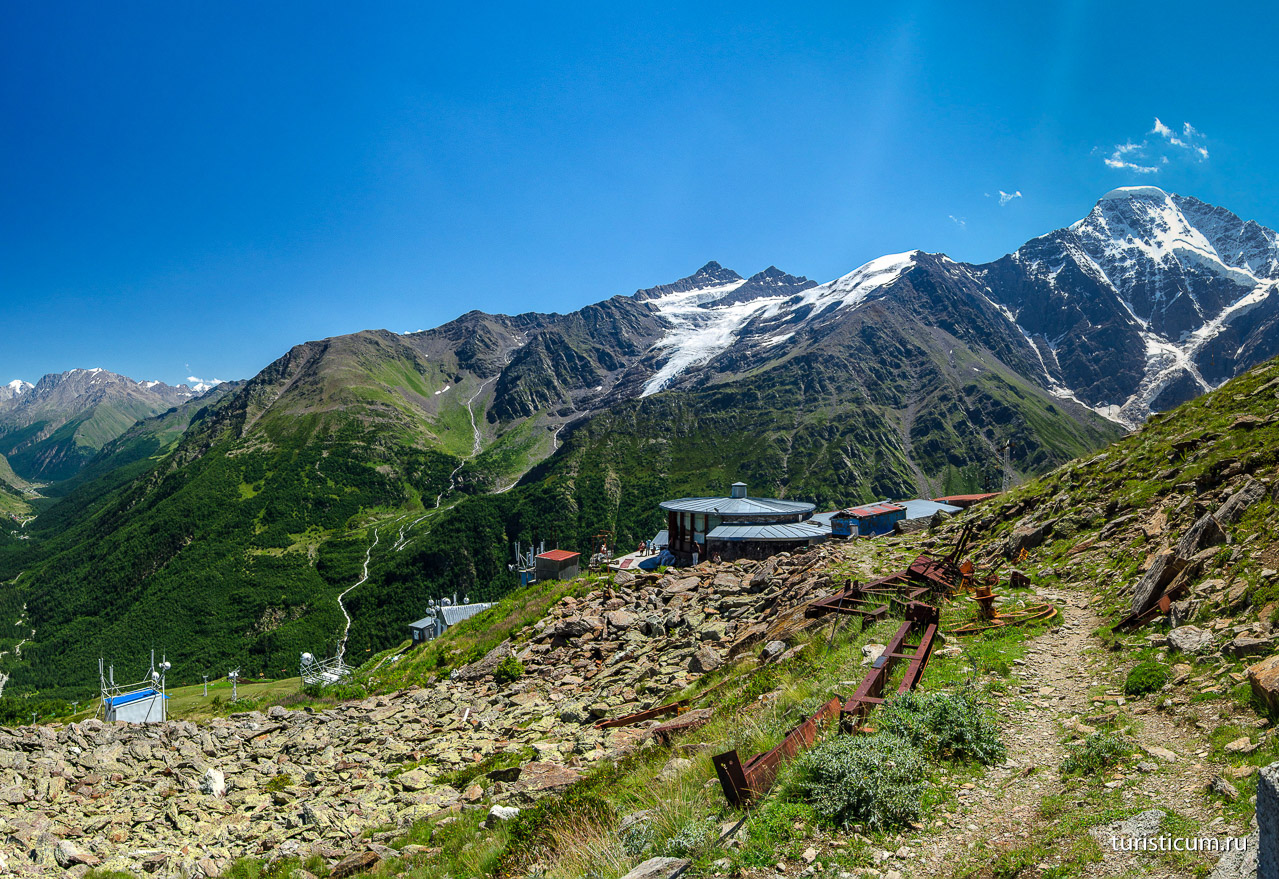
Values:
[(190, 189)]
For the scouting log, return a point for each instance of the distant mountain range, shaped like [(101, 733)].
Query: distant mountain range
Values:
[(226, 527), (50, 430)]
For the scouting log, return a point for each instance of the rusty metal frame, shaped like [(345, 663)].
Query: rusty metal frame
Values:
[(922, 621), (743, 782), (854, 599)]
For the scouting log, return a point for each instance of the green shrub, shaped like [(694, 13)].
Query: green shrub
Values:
[(1145, 677), (279, 783), (694, 837), (509, 669), (1099, 752), (777, 829), (876, 779), (461, 778), (946, 724)]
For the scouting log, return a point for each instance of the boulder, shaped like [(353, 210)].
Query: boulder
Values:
[(1264, 677), (67, 855), (503, 813), (712, 630), (1190, 639), (1150, 587), (485, 666), (213, 783), (1206, 532), (1026, 537), (1234, 508), (761, 578), (871, 652), (773, 648), (569, 628), (1242, 646), (620, 619), (687, 584), (414, 780), (657, 868), (352, 864), (542, 776), (704, 660)]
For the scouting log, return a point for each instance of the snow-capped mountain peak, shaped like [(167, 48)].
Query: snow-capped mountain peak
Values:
[(1149, 300), (18, 386), (707, 320)]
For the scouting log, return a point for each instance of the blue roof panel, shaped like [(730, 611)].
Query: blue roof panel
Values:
[(126, 698)]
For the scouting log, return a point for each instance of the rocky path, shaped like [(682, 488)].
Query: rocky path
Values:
[(1067, 682)]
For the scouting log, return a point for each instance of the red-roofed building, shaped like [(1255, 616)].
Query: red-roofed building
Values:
[(558, 564), (866, 521)]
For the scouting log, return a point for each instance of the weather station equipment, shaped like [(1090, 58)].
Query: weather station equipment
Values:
[(525, 567), (138, 702), (323, 672)]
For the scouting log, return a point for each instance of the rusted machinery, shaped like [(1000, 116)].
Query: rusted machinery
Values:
[(924, 576), (990, 618)]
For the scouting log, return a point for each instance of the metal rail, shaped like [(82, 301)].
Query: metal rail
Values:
[(743, 782), (921, 620)]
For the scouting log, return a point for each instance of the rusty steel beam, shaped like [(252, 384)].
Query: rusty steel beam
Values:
[(744, 782), (922, 620), (853, 599), (638, 716)]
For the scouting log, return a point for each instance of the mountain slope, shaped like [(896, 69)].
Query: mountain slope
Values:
[(421, 457), (49, 430)]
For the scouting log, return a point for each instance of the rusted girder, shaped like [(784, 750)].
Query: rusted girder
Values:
[(921, 621), (649, 714), (853, 599), (744, 782)]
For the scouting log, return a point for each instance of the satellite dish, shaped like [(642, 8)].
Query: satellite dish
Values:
[(155, 677), (166, 665)]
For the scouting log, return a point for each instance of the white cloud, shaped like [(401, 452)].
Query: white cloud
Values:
[(1005, 197), (958, 221), (206, 382), (1160, 145)]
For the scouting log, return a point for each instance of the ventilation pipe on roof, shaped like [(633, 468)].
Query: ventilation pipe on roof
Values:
[(738, 490)]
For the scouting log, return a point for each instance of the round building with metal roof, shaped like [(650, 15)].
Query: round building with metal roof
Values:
[(738, 526)]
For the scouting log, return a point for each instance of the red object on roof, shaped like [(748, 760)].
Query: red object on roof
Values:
[(872, 510), (559, 555), (964, 500)]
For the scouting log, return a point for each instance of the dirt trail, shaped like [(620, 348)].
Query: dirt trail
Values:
[(1003, 807)]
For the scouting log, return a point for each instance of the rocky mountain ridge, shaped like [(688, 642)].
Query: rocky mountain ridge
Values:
[(49, 430)]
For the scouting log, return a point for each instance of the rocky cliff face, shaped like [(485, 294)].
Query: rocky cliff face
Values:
[(1147, 302)]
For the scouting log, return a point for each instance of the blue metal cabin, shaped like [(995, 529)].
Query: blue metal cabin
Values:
[(867, 521)]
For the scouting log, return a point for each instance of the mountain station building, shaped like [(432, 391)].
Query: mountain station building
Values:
[(738, 526), (444, 614)]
